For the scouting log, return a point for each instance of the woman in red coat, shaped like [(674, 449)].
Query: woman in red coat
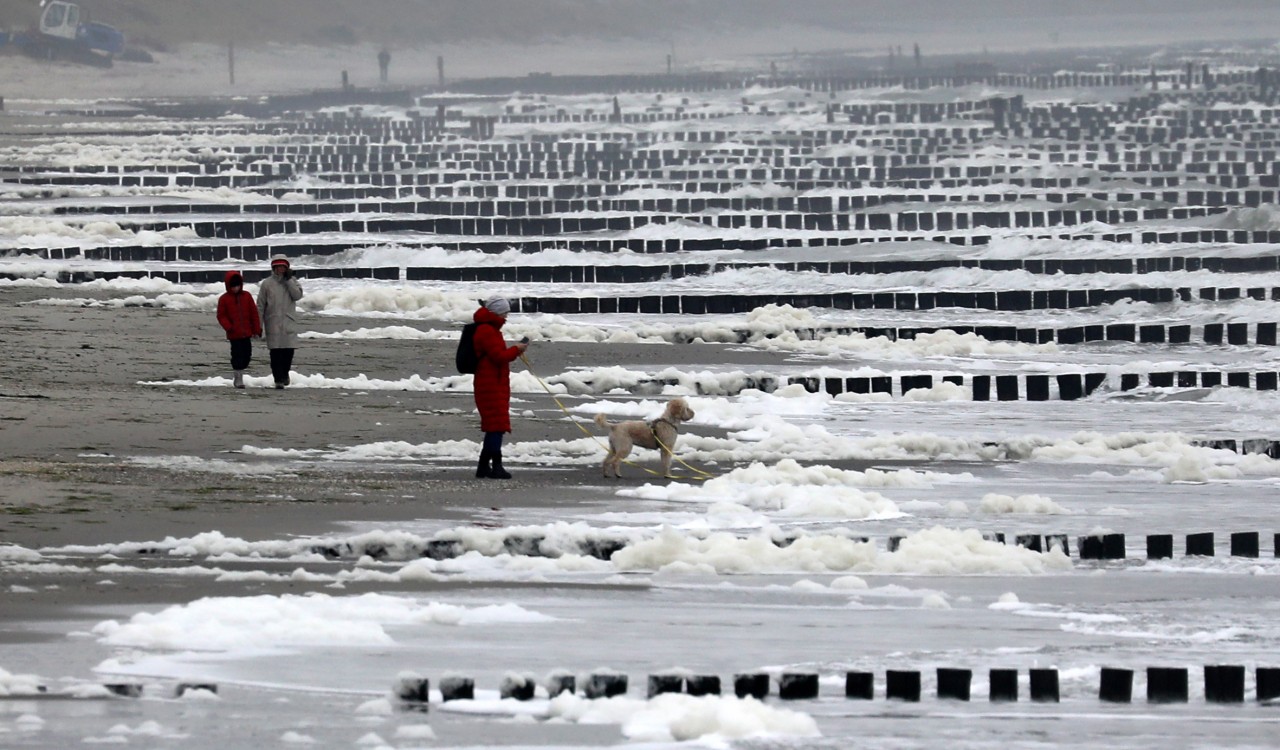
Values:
[(493, 383)]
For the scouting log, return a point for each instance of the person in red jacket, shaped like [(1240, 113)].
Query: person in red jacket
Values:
[(238, 316), (493, 383)]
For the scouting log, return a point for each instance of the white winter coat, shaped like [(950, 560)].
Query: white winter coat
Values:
[(279, 312)]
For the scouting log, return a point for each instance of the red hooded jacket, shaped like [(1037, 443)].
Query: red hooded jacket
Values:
[(493, 372), (237, 312)]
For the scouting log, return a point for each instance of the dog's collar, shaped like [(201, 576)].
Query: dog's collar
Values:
[(653, 426)]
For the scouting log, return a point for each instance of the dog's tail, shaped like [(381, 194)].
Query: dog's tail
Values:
[(603, 422)]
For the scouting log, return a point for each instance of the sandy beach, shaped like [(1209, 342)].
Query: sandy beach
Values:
[(73, 413), (74, 409)]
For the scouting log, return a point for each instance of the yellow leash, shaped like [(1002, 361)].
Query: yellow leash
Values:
[(699, 474)]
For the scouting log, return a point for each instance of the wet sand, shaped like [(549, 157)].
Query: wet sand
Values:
[(73, 412), (72, 409)]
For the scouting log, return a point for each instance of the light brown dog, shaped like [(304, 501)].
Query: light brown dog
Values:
[(659, 434)]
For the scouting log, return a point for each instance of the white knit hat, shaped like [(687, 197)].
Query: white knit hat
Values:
[(498, 305)]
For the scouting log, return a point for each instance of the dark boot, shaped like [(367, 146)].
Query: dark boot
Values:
[(497, 472), (482, 471)]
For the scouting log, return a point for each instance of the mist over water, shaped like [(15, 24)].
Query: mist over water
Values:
[(291, 45)]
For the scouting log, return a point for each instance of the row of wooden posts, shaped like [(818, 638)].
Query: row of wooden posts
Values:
[(1222, 684)]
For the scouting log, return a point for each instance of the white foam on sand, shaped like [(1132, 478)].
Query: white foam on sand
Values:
[(288, 621), (683, 718), (993, 502), (398, 333), (935, 551), (402, 301), (145, 729), (788, 490), (561, 549), (415, 732), (763, 428), (476, 565), (396, 544), (772, 328), (181, 301), (771, 439), (18, 684), (196, 464), (41, 231), (521, 382), (11, 553)]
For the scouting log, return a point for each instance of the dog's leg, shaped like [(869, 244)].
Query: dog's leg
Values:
[(619, 449)]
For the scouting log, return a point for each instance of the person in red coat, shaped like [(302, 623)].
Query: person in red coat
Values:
[(493, 383), (238, 316)]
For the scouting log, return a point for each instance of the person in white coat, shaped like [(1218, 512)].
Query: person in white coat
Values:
[(278, 295)]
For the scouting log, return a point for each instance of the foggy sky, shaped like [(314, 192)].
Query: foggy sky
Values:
[(408, 22)]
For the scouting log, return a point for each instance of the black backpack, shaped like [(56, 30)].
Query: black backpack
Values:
[(466, 358)]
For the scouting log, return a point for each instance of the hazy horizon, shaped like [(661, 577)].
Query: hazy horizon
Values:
[(423, 22), (285, 45)]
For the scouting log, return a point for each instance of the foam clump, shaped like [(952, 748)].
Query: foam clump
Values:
[(14, 553), (18, 684), (935, 551), (245, 623), (996, 503), (934, 600), (415, 732), (681, 718)]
